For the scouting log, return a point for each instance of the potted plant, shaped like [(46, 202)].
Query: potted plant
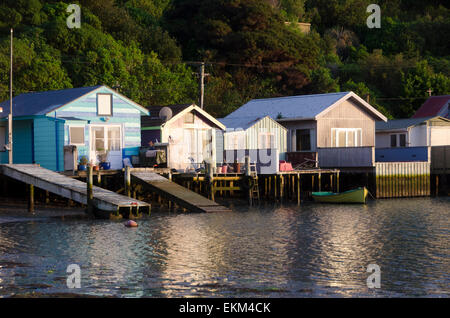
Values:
[(103, 158), (82, 166)]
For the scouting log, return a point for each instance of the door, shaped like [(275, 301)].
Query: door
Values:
[(107, 138)]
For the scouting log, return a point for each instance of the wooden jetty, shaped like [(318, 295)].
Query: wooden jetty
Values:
[(174, 192), (289, 185), (72, 189)]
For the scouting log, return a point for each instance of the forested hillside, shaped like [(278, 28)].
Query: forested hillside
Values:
[(149, 49)]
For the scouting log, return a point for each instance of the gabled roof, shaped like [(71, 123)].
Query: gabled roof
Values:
[(177, 110), (243, 122), (434, 106), (404, 123), (42, 103), (299, 107), (154, 120)]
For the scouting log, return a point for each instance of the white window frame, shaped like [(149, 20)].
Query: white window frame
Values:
[(111, 104), (272, 140), (105, 138), (3, 138), (335, 131), (70, 135)]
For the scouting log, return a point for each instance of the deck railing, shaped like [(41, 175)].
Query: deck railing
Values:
[(346, 157)]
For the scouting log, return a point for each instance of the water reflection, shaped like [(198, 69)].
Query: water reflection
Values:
[(283, 251)]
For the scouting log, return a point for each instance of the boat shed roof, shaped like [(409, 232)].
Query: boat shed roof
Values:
[(298, 107)]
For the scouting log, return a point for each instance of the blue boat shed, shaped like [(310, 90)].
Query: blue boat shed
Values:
[(95, 119)]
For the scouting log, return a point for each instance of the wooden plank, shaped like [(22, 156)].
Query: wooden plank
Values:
[(177, 193), (68, 187)]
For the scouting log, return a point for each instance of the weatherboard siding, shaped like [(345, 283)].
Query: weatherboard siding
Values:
[(345, 115), (49, 143), (22, 141), (124, 114)]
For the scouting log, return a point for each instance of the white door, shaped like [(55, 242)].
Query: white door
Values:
[(107, 137)]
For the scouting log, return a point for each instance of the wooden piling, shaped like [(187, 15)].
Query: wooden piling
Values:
[(298, 189), (90, 194), (30, 198), (127, 176)]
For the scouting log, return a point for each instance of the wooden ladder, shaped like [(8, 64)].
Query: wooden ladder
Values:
[(254, 192)]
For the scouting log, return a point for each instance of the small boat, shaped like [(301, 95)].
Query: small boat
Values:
[(357, 195)]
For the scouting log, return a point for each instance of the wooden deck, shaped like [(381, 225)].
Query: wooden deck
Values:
[(177, 193), (69, 188)]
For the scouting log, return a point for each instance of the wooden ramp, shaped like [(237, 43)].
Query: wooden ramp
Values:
[(177, 193), (69, 188)]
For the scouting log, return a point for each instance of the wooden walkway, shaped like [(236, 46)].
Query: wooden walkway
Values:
[(177, 193), (69, 188)]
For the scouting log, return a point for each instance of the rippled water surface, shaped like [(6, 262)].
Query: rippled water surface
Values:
[(280, 251)]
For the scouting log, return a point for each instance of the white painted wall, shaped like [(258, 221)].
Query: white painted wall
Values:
[(418, 136), (440, 135)]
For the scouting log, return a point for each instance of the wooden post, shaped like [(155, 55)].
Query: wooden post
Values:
[(99, 178), (437, 185), (298, 188), (31, 198), (47, 197), (90, 194), (247, 175), (127, 176), (275, 187), (320, 181), (312, 183), (337, 182), (210, 174), (331, 183), (281, 187)]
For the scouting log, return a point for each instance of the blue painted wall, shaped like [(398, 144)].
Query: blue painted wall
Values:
[(22, 141), (4, 154), (49, 143), (35, 141), (41, 139), (124, 113), (405, 154)]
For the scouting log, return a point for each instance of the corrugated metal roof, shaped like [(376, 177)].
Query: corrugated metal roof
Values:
[(40, 103), (155, 120), (399, 123), (240, 122), (434, 106), (302, 106)]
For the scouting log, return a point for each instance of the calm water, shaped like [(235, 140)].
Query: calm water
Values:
[(280, 251)]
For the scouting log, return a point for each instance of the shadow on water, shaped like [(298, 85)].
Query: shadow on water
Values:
[(270, 250)]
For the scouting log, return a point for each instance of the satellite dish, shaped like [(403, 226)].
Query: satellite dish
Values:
[(165, 113)]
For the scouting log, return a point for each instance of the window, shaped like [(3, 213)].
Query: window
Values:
[(303, 140), (104, 104), (2, 138), (402, 140), (266, 140), (189, 118), (106, 138), (113, 138), (76, 135), (398, 140), (393, 140), (346, 137)]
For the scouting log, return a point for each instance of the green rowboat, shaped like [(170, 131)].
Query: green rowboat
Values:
[(357, 195)]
